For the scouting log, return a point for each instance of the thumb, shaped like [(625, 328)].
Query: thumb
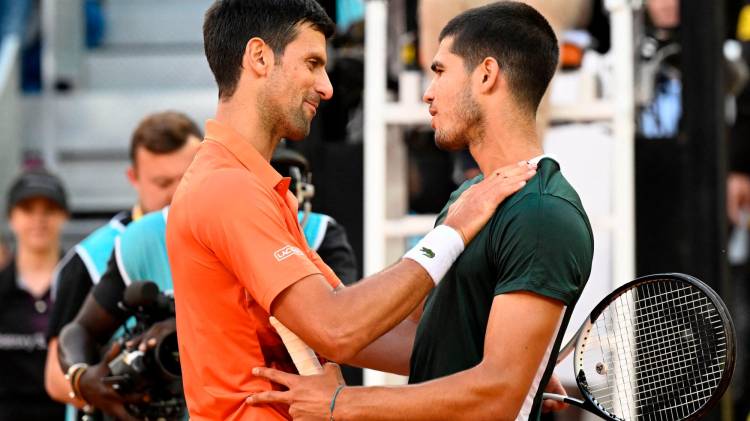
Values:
[(330, 367)]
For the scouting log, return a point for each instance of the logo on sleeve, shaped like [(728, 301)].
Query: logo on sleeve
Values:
[(427, 252), (286, 251)]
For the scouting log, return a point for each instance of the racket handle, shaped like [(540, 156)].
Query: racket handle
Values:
[(303, 356), (566, 399)]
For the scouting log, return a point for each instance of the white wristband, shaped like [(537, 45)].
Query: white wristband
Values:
[(437, 251)]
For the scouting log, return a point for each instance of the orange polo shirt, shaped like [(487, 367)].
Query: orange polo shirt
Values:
[(234, 244)]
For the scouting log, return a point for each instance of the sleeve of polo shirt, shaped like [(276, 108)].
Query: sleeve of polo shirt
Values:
[(544, 247), (237, 218)]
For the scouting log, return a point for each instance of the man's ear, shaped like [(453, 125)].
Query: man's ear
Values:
[(488, 75), (258, 57), (132, 176)]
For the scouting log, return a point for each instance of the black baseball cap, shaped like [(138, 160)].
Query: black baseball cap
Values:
[(37, 183)]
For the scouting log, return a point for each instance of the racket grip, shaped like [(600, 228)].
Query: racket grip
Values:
[(561, 398), (303, 356)]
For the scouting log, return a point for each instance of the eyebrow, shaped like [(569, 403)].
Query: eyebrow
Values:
[(435, 65), (318, 57)]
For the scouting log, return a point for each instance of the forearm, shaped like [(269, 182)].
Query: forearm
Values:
[(391, 352), (473, 394), (77, 345), (55, 383), (345, 321)]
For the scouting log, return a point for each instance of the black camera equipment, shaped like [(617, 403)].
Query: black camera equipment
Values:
[(156, 372)]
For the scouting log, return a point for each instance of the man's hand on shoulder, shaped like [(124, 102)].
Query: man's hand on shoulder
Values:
[(471, 211)]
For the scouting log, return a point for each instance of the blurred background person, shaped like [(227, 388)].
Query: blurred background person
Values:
[(161, 149), (37, 211)]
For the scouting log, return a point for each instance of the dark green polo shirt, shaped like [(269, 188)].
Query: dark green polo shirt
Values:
[(538, 240)]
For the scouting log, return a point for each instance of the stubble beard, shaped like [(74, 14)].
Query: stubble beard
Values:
[(469, 127), (286, 121)]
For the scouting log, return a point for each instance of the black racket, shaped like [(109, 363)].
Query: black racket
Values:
[(661, 347)]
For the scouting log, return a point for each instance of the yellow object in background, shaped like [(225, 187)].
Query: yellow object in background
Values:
[(743, 24)]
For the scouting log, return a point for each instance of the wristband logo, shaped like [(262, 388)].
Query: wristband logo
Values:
[(285, 252), (427, 252)]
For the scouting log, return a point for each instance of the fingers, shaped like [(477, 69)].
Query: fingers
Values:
[(549, 405), (145, 345), (275, 376), (270, 396), (513, 169), (500, 188)]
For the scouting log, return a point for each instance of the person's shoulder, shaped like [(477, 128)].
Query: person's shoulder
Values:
[(456, 194), (151, 224), (547, 185), (541, 209), (107, 232), (225, 184), (149, 229)]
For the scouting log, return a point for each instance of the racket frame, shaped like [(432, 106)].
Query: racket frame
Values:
[(578, 341)]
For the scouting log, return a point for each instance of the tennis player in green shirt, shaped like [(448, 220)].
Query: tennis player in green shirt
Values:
[(486, 341)]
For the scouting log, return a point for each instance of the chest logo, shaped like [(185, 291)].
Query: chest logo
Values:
[(285, 252), (427, 252)]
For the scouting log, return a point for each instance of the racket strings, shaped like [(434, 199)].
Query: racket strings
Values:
[(657, 352)]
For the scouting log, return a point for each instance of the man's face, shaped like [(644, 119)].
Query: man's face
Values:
[(456, 116), (664, 13), (36, 223), (296, 85), (155, 176)]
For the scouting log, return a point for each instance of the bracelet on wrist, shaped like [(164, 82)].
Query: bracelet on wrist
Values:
[(333, 399), (73, 376)]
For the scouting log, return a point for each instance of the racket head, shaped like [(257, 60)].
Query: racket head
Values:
[(659, 347)]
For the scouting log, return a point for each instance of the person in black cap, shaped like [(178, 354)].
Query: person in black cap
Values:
[(37, 211)]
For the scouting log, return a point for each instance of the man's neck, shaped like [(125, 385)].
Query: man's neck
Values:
[(506, 144), (240, 115), (35, 267)]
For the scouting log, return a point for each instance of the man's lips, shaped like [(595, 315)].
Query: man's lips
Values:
[(313, 105)]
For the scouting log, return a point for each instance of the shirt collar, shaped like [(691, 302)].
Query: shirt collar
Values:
[(244, 151), (536, 159)]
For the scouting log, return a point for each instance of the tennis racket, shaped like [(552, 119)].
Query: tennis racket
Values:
[(661, 347)]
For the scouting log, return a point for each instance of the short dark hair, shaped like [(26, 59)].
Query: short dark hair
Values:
[(514, 34), (230, 24), (163, 133)]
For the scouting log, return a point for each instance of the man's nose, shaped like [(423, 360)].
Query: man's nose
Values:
[(324, 88), (428, 96)]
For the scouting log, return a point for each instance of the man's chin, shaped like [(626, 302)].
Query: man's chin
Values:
[(297, 135), (449, 145)]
